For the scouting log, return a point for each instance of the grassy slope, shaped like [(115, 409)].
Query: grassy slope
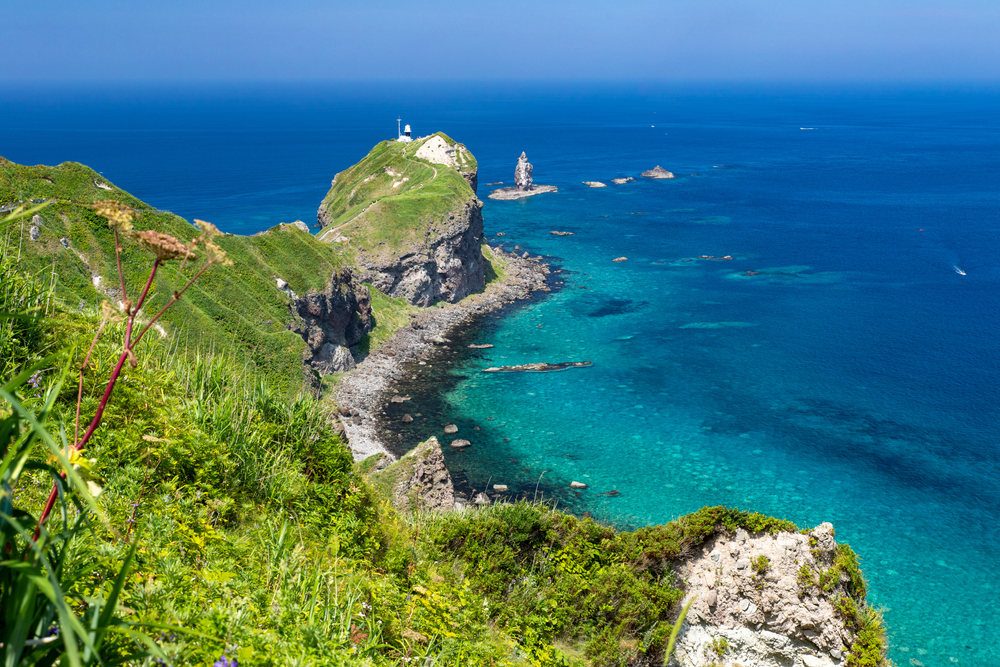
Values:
[(239, 307), (400, 216), (255, 530)]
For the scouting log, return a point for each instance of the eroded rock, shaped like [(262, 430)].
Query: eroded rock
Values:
[(333, 320), (419, 480)]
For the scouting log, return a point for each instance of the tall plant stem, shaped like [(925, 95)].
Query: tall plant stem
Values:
[(174, 299)]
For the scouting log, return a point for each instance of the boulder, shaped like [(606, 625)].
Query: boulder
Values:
[(460, 444), (407, 419), (577, 485), (500, 488), (450, 429)]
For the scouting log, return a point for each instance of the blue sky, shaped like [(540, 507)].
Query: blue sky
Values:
[(508, 40)]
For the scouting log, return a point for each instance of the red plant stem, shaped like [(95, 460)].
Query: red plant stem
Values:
[(79, 393), (145, 291), (78, 444), (177, 297)]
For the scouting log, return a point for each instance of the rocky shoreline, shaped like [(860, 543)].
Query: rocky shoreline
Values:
[(363, 393)]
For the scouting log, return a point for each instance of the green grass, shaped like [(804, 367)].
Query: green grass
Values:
[(238, 308), (390, 315), (401, 216), (260, 538)]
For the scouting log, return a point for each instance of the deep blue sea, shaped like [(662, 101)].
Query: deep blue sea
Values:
[(843, 366)]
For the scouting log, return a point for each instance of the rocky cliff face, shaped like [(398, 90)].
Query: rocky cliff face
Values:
[(332, 321), (419, 480), (768, 600), (410, 215), (448, 266)]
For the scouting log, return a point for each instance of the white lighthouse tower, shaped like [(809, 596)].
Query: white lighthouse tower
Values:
[(404, 136)]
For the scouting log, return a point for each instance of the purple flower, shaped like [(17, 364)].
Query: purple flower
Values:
[(36, 380), (226, 662), (53, 631)]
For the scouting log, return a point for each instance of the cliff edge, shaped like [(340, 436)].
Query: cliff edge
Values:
[(409, 217)]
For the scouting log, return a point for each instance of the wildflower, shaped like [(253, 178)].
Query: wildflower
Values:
[(119, 216), (225, 662), (216, 255), (109, 313), (208, 230), (36, 379), (53, 631), (164, 246)]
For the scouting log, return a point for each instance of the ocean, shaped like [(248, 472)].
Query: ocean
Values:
[(842, 366)]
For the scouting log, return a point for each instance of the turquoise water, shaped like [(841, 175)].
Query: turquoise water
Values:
[(852, 379)]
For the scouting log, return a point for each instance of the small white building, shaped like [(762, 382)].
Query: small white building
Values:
[(404, 136)]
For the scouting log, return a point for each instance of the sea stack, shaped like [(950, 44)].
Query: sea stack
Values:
[(522, 173), (523, 184)]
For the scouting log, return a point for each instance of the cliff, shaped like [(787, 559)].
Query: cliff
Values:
[(286, 297), (410, 218)]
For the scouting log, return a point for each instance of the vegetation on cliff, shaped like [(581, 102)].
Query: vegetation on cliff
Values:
[(392, 199), (241, 311), (232, 524)]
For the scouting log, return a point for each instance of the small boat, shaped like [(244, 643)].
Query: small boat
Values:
[(958, 270)]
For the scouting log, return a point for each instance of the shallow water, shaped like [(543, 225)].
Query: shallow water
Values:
[(851, 379)]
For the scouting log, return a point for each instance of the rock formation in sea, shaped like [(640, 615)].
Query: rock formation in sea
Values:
[(410, 214), (657, 172), (523, 184), (333, 320), (522, 173)]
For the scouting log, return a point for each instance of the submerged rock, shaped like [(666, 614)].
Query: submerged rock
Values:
[(460, 444), (541, 367), (450, 429)]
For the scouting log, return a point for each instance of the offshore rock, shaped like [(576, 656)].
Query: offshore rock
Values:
[(541, 367), (657, 172), (523, 185), (333, 320), (522, 173)]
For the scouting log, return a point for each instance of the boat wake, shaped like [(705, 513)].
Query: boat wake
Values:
[(958, 270)]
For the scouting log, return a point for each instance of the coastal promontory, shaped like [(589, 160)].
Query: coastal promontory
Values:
[(408, 215)]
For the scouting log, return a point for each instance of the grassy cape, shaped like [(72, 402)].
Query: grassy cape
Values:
[(256, 535), (393, 199)]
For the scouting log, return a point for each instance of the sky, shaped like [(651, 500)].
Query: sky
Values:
[(501, 40)]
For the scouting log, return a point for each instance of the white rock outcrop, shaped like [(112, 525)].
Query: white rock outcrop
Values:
[(764, 617)]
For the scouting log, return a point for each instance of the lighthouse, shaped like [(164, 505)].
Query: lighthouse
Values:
[(404, 136)]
